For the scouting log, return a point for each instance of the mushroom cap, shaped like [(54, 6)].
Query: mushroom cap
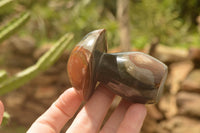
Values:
[(84, 60)]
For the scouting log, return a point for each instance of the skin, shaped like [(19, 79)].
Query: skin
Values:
[(127, 117), (1, 111)]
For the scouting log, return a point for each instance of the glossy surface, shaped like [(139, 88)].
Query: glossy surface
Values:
[(135, 76), (78, 68), (84, 60)]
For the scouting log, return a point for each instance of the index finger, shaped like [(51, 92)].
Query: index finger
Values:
[(58, 114)]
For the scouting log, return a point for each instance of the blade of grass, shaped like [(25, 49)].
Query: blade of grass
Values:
[(43, 63)]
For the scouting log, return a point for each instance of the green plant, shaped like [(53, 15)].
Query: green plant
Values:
[(8, 84), (4, 5), (3, 75), (160, 19), (43, 63), (13, 26)]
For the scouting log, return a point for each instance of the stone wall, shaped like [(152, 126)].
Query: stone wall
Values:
[(178, 110)]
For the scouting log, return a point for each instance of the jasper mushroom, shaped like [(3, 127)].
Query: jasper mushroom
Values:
[(135, 76)]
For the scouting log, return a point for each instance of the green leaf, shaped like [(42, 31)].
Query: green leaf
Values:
[(13, 25), (4, 5), (43, 63), (3, 75)]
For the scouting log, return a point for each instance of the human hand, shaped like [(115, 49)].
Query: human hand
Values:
[(126, 118)]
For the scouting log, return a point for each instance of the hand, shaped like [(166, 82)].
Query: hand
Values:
[(126, 118)]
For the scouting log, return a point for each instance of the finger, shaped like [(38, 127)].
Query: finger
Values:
[(133, 119), (58, 114), (1, 111), (115, 119), (90, 118)]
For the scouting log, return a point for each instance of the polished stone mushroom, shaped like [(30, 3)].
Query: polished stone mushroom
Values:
[(135, 76)]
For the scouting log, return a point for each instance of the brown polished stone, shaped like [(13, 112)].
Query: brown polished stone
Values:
[(135, 76)]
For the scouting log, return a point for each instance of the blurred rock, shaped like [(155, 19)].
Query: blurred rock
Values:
[(45, 92), (23, 116), (44, 80), (192, 82), (25, 45), (169, 54), (18, 61), (168, 106), (57, 68), (154, 113), (194, 55), (178, 73), (179, 124), (35, 107), (64, 79), (150, 125), (188, 104), (15, 98)]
